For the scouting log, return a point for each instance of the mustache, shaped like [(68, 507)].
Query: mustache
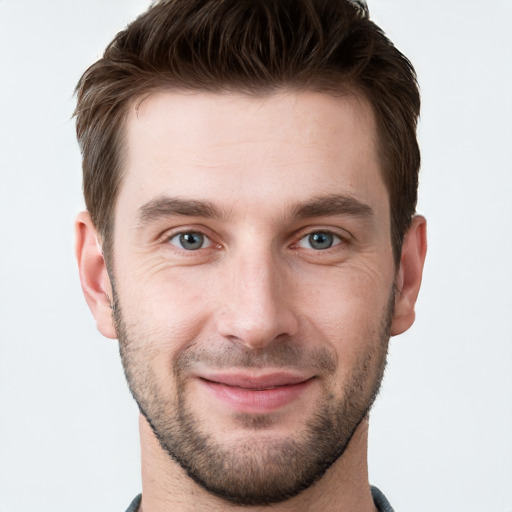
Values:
[(280, 354)]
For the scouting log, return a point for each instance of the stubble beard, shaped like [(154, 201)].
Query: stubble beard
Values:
[(262, 469)]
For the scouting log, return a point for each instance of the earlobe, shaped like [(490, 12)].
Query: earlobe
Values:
[(408, 279), (93, 274)]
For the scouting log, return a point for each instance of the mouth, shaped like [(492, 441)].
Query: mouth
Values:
[(256, 394)]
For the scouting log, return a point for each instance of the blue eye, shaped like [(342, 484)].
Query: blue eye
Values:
[(190, 241), (319, 240)]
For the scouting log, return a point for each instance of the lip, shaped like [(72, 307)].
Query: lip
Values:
[(256, 394)]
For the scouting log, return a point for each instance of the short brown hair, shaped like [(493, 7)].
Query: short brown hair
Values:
[(251, 46)]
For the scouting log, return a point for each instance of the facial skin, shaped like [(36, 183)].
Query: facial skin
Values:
[(253, 283)]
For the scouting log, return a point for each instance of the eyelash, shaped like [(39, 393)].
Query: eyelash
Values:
[(190, 232), (338, 239)]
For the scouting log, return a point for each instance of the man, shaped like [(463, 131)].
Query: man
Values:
[(250, 174)]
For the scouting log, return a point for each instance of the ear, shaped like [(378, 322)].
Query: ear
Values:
[(93, 274), (408, 279)]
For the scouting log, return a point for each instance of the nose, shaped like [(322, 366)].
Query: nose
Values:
[(257, 301)]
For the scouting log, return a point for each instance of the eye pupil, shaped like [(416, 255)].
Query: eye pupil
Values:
[(191, 241), (321, 240)]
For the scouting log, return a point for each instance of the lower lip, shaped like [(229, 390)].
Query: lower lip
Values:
[(256, 401)]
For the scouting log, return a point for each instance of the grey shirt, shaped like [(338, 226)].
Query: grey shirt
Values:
[(379, 499)]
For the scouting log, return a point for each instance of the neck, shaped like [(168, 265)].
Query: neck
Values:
[(166, 486)]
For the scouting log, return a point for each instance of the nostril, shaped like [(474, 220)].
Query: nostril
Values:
[(257, 332)]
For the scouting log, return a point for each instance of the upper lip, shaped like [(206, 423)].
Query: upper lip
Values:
[(246, 381)]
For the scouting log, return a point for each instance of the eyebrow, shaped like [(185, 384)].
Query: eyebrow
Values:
[(162, 207), (332, 205), (321, 206)]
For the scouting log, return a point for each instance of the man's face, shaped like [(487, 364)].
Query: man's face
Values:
[(254, 282)]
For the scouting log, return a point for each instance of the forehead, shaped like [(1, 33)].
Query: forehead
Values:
[(240, 149)]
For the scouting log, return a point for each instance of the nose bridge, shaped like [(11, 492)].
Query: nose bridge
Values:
[(258, 281), (255, 307)]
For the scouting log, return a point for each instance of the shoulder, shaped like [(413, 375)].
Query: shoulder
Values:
[(134, 505), (381, 501)]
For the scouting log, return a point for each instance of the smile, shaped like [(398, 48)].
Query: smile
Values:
[(256, 395)]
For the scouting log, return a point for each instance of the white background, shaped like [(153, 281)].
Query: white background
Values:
[(441, 431)]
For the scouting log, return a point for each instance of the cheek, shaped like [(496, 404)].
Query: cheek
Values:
[(161, 320), (347, 296), (167, 311), (349, 311)]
